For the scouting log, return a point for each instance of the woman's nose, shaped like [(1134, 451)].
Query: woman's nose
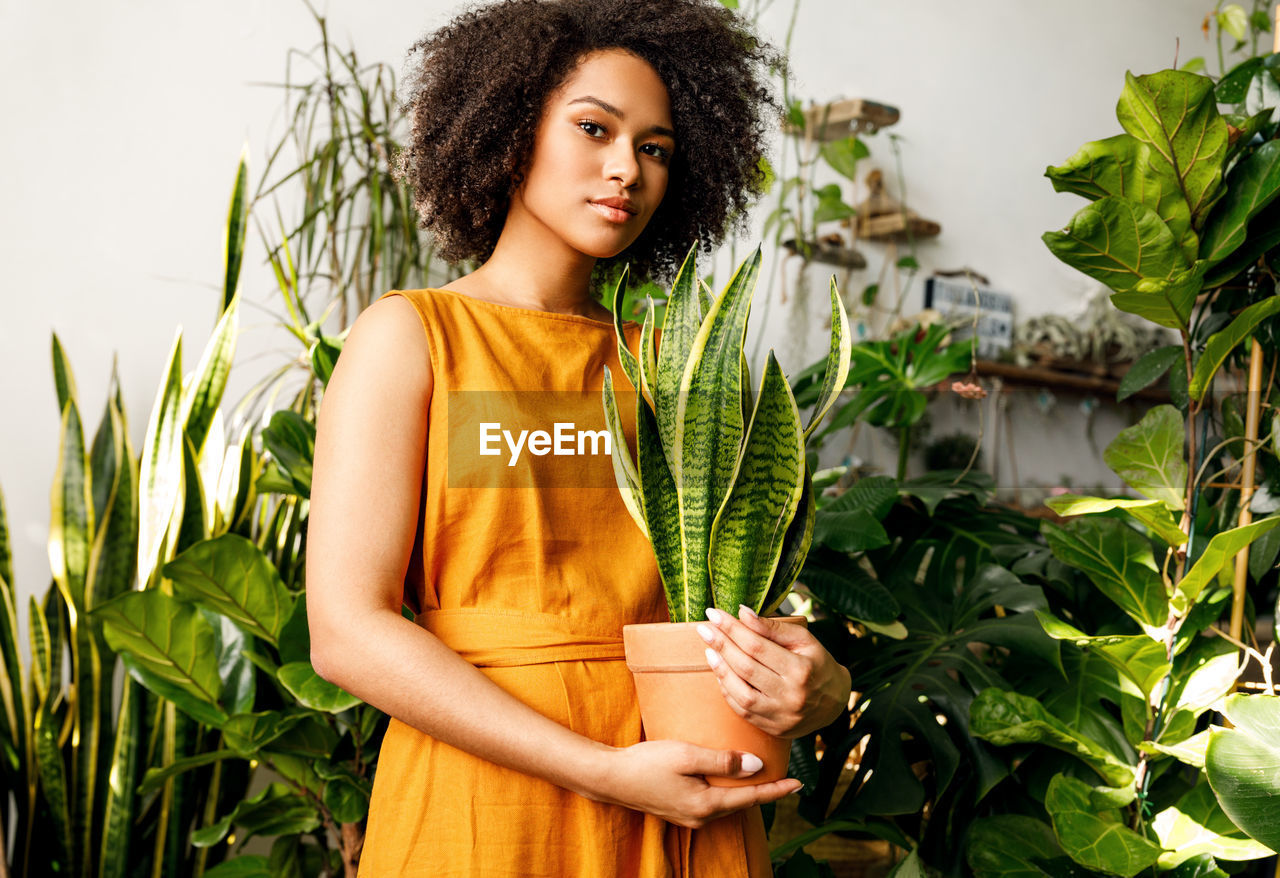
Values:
[(622, 165)]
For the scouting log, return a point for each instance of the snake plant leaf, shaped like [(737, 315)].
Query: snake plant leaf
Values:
[(52, 772), (687, 587), (705, 297), (14, 710), (1117, 559), (1243, 765), (155, 778), (1220, 552), (1118, 242), (838, 356), (235, 230), (64, 380), (680, 326), (231, 576), (1175, 113), (314, 691), (1121, 166), (121, 798), (624, 468), (1197, 825), (1152, 513), (192, 525), (202, 398), (71, 529), (1251, 186), (630, 366), (1148, 456), (1005, 718), (42, 679), (749, 530), (795, 547), (169, 647), (115, 546), (709, 420), (1096, 839), (1222, 343), (160, 489)]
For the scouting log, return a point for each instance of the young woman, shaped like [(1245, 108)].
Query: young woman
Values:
[(551, 138)]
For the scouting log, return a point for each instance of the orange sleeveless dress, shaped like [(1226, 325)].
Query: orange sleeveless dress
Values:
[(528, 566)]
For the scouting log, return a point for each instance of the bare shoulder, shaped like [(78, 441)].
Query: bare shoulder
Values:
[(387, 343)]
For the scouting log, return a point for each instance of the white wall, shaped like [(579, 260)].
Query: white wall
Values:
[(123, 122)]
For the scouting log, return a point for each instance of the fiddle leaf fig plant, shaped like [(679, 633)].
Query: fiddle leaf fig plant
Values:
[(720, 483)]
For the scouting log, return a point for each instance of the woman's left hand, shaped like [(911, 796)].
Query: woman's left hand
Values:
[(775, 675)]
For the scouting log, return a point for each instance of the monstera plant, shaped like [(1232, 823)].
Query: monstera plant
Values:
[(720, 483)]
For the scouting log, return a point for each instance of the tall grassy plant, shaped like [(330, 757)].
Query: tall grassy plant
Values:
[(720, 483)]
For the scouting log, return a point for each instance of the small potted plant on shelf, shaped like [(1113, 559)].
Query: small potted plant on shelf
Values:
[(720, 487)]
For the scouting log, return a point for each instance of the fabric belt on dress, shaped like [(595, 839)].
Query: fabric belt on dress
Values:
[(510, 638)]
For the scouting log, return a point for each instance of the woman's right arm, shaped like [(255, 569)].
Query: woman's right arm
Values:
[(369, 458)]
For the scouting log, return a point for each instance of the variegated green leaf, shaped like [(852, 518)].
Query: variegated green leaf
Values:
[(202, 398), (838, 355), (1175, 113), (748, 533), (193, 527), (624, 468), (64, 380), (231, 576), (709, 417), (115, 547), (13, 696), (680, 327), (53, 786), (661, 507), (71, 528), (630, 365), (41, 651), (160, 489), (118, 819), (236, 228), (795, 548)]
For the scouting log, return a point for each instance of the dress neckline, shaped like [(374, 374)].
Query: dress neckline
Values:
[(572, 318)]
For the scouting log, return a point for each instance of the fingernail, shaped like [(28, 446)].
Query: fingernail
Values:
[(751, 763), (704, 632), (713, 658), (714, 616), (744, 610)]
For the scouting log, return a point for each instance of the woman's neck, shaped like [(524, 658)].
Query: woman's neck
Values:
[(536, 271)]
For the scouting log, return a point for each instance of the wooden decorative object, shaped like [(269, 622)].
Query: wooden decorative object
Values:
[(880, 218), (840, 119)]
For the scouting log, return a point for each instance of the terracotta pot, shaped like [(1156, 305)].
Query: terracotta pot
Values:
[(680, 698)]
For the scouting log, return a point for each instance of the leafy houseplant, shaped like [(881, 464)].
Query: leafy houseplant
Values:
[(720, 486)]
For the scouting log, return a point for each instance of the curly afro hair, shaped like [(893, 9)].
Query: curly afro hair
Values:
[(477, 88)]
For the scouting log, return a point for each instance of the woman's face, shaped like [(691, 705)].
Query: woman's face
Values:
[(601, 155)]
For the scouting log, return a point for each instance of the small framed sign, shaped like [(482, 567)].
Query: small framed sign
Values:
[(954, 298)]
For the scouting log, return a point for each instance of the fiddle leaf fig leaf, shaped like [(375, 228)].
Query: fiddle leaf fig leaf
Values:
[(1152, 513), (230, 575), (314, 691), (1221, 344), (1197, 825), (1004, 718), (1148, 456), (1166, 301), (1096, 839), (1251, 186), (1243, 765), (1218, 554), (1136, 657), (1117, 559), (1148, 369), (1118, 242), (1121, 166), (1175, 113), (1012, 846)]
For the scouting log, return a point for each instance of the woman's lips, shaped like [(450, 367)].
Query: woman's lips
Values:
[(615, 210)]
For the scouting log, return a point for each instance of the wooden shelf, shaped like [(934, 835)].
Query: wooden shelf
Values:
[(1058, 380)]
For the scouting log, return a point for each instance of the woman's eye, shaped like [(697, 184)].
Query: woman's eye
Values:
[(591, 128), (657, 151)]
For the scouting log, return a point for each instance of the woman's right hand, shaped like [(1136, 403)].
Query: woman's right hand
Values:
[(668, 779)]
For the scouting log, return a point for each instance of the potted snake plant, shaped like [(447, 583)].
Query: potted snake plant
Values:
[(720, 486)]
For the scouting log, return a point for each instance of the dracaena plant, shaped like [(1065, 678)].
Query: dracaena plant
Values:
[(720, 483)]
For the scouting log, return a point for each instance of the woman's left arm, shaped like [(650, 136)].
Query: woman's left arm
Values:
[(775, 675)]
